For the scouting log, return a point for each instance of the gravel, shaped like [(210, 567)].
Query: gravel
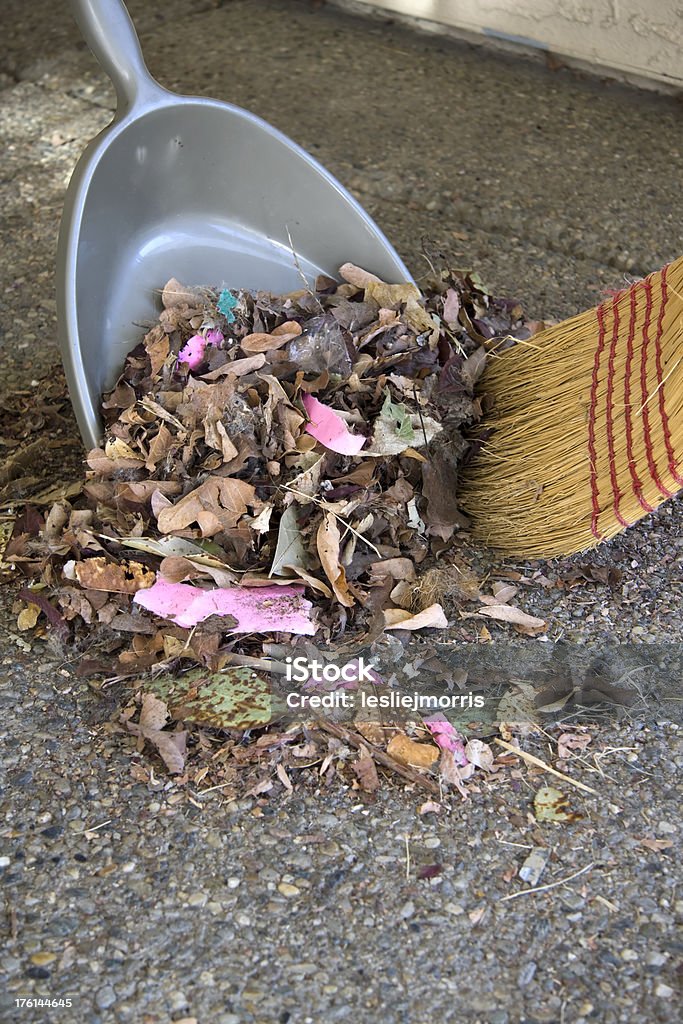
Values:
[(138, 905)]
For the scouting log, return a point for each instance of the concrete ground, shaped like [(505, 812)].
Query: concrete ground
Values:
[(139, 905)]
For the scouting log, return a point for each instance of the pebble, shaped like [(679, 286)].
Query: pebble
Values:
[(197, 899), (573, 901), (655, 959), (664, 991), (526, 975), (407, 910), (234, 883), (432, 843), (287, 889), (4, 862), (534, 865), (629, 955), (105, 997), (177, 1001), (43, 958), (667, 828)]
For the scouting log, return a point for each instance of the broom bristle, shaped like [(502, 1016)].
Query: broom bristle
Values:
[(588, 425)]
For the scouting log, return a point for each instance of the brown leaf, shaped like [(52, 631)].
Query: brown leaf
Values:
[(160, 446), (429, 618), (237, 367), (216, 436), (358, 277), (254, 343), (176, 294), (396, 568), (366, 771), (473, 367), (158, 345), (408, 752), (28, 617), (125, 578), (328, 541), (439, 488), (216, 505), (153, 713), (508, 613), (451, 773), (171, 747), (656, 845), (570, 741)]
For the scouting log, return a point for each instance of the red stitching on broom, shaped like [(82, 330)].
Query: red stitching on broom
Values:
[(660, 377), (647, 434), (610, 411), (637, 484), (591, 423)]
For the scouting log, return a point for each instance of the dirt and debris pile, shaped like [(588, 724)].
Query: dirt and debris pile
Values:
[(271, 464), (273, 469)]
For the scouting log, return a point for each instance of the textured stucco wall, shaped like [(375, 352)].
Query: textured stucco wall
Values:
[(635, 37)]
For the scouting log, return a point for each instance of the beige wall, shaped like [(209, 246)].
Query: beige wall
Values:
[(637, 38)]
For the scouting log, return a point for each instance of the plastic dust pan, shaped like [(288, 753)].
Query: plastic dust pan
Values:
[(185, 187)]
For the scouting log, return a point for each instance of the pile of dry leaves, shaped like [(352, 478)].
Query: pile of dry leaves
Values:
[(273, 468)]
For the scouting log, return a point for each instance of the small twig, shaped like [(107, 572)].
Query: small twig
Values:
[(544, 888), (407, 858), (419, 413), (546, 767), (612, 907), (94, 827), (12, 923), (300, 271), (342, 733), (211, 789)]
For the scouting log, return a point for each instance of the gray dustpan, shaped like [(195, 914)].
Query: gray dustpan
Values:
[(191, 188)]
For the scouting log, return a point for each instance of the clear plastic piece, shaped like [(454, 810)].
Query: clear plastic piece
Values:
[(322, 346)]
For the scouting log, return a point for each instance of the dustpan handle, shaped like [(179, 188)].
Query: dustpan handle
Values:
[(109, 32)]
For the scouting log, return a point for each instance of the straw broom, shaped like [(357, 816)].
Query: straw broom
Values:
[(587, 425)]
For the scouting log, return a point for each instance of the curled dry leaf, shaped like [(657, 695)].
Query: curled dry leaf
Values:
[(570, 742), (28, 616), (508, 613), (432, 617), (176, 294), (256, 343), (216, 505), (171, 746), (430, 807), (480, 754), (328, 540), (453, 774), (408, 752), (357, 276), (365, 769), (656, 845), (126, 577)]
